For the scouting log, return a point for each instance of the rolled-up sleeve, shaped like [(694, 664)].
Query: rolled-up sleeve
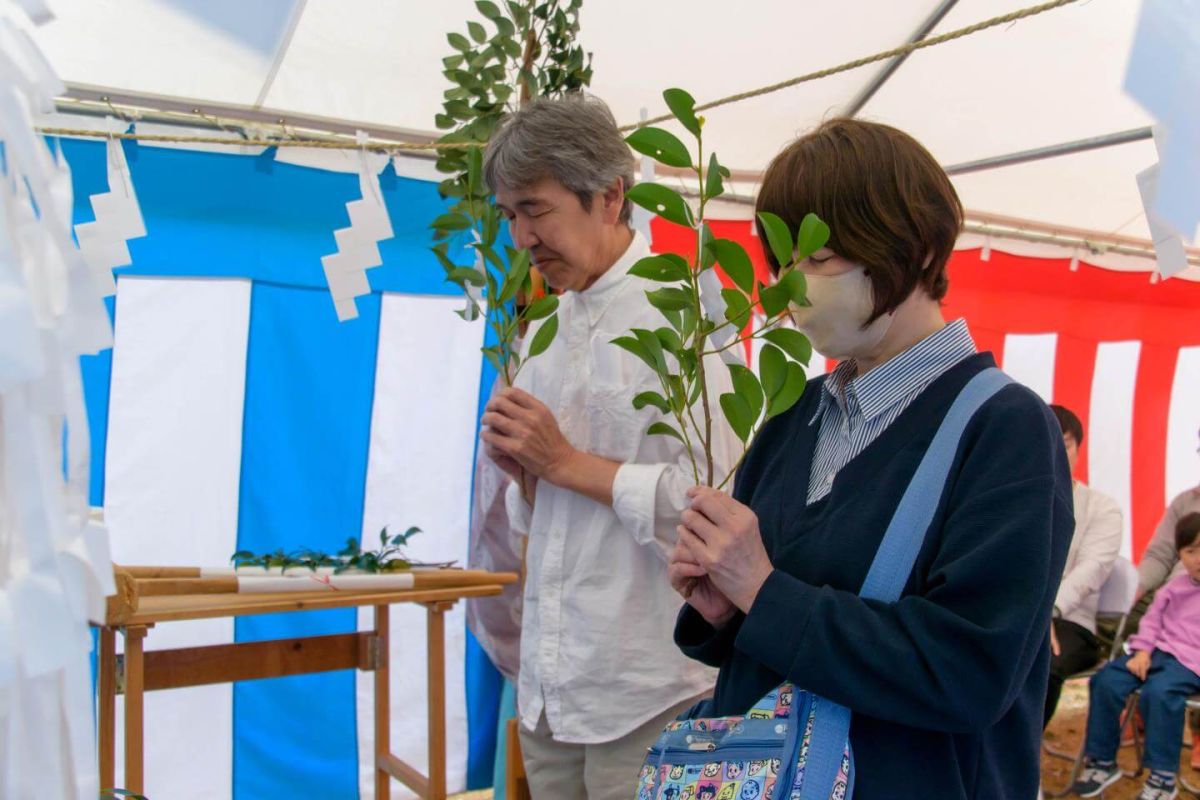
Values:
[(649, 498)]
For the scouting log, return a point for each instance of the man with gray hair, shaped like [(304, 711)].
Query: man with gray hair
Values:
[(598, 499)]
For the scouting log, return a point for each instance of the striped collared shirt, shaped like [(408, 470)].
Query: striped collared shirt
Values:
[(854, 411)]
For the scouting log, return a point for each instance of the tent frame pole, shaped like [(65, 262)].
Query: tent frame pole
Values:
[(1053, 151), (281, 52), (891, 65)]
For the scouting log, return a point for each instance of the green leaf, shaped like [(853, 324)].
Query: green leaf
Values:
[(451, 222), (670, 299), (737, 307), (444, 121), (633, 345), (787, 396), (663, 429), (655, 399), (772, 370), (544, 336), (542, 307), (488, 9), (774, 299), (678, 394), (458, 41), (738, 414), (453, 62), (517, 270), (689, 322), (687, 361), (519, 11), (734, 260), (504, 27), (792, 342), (747, 387), (670, 340), (714, 186), (675, 318), (477, 31), (475, 170), (667, 268), (811, 237), (493, 357), (452, 187), (660, 200), (683, 106), (796, 287), (511, 48), (778, 237), (459, 110), (461, 275), (653, 346), (663, 146)]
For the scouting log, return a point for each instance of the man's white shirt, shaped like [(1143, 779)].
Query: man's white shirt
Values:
[(597, 650)]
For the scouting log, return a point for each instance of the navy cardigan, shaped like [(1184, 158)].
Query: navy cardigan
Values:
[(947, 686)]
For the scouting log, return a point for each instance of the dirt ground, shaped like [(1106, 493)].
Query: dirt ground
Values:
[(1066, 732)]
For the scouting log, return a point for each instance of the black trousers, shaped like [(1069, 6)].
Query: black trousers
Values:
[(1078, 650)]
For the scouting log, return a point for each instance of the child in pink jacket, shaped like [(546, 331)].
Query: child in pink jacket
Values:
[(1164, 663)]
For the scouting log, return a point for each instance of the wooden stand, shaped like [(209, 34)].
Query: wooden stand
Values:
[(139, 671), (516, 787)]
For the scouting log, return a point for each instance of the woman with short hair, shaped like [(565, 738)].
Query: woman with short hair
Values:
[(946, 686)]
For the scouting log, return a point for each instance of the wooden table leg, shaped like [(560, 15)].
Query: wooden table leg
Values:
[(436, 644), (134, 688), (106, 702), (383, 745)]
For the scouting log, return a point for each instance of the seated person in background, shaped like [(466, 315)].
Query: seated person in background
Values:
[(1159, 564), (1165, 665), (1094, 548)]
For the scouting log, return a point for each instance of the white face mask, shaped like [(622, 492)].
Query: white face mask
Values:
[(840, 305)]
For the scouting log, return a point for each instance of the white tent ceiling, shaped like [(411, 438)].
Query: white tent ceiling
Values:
[(1042, 81)]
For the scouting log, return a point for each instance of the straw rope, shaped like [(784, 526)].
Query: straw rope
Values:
[(392, 146), (324, 144), (862, 62)]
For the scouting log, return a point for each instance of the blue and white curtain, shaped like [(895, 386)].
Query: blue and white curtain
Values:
[(236, 412)]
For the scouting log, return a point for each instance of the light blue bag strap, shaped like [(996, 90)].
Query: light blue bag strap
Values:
[(893, 564)]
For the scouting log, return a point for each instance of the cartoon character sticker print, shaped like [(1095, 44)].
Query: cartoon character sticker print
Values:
[(751, 790)]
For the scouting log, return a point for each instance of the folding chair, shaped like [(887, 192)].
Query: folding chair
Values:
[(1112, 609)]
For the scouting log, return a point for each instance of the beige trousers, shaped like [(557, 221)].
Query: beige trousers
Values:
[(606, 771)]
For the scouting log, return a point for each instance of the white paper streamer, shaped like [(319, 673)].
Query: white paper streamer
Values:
[(1163, 76), (1169, 250), (358, 245), (118, 218), (714, 309), (55, 567)]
